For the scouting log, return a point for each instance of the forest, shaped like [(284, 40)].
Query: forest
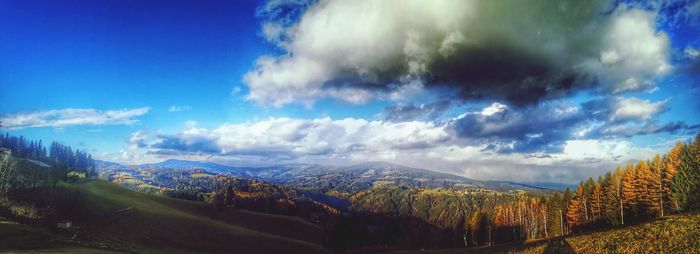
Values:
[(26, 166), (58, 155), (633, 193)]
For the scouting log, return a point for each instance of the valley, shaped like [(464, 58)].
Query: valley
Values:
[(181, 206)]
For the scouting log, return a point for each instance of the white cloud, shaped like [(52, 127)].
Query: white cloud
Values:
[(357, 51), (298, 137), (633, 53), (176, 108), (72, 116), (350, 140), (691, 53), (634, 108), (493, 109)]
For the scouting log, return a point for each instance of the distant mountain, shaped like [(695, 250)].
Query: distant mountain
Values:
[(549, 185), (367, 175), (100, 164), (348, 179), (208, 166)]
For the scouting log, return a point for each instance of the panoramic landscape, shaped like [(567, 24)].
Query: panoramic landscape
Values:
[(334, 126)]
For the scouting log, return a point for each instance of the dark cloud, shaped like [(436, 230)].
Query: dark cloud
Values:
[(503, 73), (540, 128), (546, 127), (519, 52), (631, 129), (182, 144)]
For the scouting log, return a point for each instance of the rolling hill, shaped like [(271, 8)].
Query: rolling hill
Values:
[(114, 218), (348, 179)]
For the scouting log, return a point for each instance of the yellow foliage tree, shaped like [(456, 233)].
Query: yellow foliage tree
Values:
[(644, 176), (655, 188), (671, 162), (629, 189)]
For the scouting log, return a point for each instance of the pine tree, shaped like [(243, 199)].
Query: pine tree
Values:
[(686, 183), (613, 201)]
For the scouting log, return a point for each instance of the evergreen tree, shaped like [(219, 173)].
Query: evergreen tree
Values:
[(686, 182)]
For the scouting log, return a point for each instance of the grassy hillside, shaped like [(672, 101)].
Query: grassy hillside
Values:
[(674, 234), (155, 224)]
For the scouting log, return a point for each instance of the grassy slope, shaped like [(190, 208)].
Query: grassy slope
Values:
[(674, 234), (15, 238), (164, 225)]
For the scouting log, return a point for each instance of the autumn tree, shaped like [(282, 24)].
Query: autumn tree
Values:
[(576, 214), (629, 191), (671, 162), (555, 213), (566, 199), (597, 199), (644, 176), (655, 187)]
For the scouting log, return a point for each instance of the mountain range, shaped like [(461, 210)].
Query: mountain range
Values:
[(347, 179)]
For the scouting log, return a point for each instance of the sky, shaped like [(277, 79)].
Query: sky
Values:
[(532, 90)]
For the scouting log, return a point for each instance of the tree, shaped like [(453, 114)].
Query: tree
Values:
[(577, 213), (7, 173), (217, 199), (644, 195), (588, 188), (229, 196), (597, 199), (614, 205), (672, 161), (555, 208), (566, 200), (629, 190), (686, 183), (655, 187)]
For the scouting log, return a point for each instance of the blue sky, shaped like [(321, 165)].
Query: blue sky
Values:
[(336, 82)]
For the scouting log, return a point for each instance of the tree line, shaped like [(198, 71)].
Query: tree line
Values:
[(59, 155), (635, 192), (640, 191)]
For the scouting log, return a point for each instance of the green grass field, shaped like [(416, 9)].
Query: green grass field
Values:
[(158, 224)]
